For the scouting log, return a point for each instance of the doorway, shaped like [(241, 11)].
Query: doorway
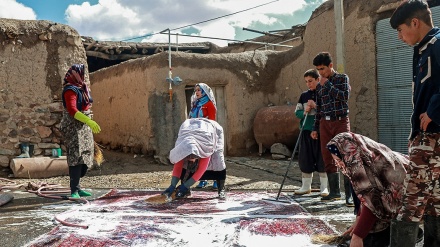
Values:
[(219, 94)]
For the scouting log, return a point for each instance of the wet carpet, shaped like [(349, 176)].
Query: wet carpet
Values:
[(123, 218)]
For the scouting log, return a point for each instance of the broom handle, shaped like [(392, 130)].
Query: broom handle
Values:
[(293, 155)]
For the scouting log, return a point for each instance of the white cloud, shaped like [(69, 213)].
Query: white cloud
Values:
[(123, 19), (13, 10)]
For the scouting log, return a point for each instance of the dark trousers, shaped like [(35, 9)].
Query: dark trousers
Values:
[(208, 175), (75, 173), (309, 156), (378, 239)]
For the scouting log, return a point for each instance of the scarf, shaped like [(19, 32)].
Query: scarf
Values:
[(74, 80), (375, 171), (196, 110)]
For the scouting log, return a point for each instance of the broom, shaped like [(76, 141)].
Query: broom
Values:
[(290, 163), (330, 239), (98, 156), (161, 199)]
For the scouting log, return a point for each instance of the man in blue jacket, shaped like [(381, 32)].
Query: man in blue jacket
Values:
[(413, 22)]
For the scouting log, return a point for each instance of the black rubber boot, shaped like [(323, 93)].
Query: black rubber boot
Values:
[(404, 234), (75, 175), (348, 192), (335, 191), (84, 169), (431, 225), (221, 189)]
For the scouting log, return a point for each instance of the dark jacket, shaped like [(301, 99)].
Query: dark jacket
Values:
[(426, 82)]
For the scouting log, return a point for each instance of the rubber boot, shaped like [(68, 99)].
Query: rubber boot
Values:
[(323, 179), (75, 195), (83, 193), (306, 187), (404, 234), (75, 175), (348, 192), (24, 147), (215, 185), (221, 189), (431, 225), (202, 184), (335, 191)]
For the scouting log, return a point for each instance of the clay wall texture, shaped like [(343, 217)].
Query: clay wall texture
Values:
[(35, 56), (133, 105)]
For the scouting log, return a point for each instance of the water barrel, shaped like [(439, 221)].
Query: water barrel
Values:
[(276, 124)]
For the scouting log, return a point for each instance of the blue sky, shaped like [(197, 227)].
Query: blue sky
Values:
[(53, 10), (125, 19)]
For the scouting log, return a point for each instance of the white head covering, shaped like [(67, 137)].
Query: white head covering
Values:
[(208, 92)]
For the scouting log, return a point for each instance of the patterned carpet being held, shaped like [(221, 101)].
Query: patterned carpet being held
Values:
[(123, 218)]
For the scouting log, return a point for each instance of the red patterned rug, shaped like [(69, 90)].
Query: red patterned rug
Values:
[(123, 218)]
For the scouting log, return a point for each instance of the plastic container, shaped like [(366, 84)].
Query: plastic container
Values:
[(56, 152)]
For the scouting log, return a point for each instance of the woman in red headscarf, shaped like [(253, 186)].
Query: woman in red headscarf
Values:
[(77, 127)]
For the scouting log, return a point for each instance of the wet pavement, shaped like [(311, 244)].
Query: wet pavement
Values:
[(28, 216)]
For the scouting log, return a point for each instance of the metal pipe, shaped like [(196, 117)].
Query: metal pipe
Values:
[(177, 43), (281, 30), (284, 41), (290, 163), (251, 42), (170, 73), (263, 32)]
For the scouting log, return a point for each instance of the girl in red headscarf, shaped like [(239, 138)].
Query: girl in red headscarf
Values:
[(77, 127)]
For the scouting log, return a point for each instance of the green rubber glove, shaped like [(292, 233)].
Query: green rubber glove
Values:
[(92, 124)]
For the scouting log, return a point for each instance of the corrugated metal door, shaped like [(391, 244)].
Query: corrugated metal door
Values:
[(394, 83)]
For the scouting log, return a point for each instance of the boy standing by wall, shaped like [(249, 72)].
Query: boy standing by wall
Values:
[(331, 119), (413, 21), (309, 157)]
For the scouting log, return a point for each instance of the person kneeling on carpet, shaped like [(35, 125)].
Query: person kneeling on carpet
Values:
[(377, 174), (197, 154)]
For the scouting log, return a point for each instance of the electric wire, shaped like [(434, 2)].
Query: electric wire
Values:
[(189, 25)]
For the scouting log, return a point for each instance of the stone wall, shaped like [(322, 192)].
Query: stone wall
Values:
[(35, 56)]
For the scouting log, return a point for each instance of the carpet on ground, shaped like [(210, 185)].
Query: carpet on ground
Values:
[(123, 218)]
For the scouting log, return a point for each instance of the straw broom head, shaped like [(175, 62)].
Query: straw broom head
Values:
[(98, 157), (329, 239)]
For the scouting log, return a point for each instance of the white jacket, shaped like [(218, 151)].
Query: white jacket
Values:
[(202, 137)]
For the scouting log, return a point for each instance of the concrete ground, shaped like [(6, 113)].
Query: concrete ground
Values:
[(28, 216)]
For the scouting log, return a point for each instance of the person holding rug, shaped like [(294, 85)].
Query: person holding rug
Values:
[(197, 154), (376, 174), (77, 127)]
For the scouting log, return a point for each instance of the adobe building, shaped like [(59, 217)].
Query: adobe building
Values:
[(133, 106), (137, 113), (35, 56)]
